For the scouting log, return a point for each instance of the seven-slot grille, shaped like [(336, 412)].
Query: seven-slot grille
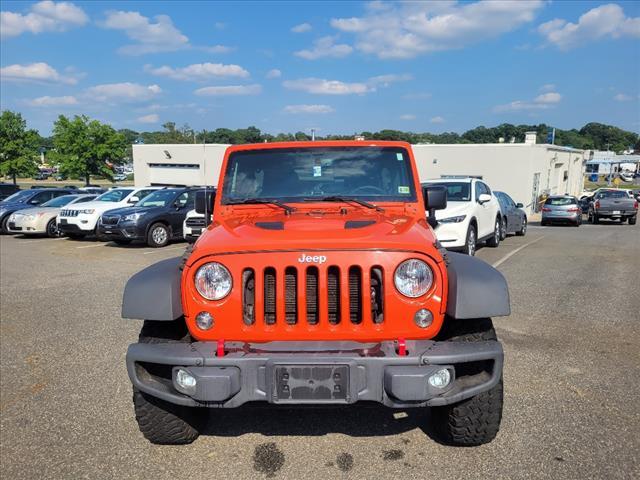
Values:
[(195, 222), (69, 213), (110, 219), (306, 294)]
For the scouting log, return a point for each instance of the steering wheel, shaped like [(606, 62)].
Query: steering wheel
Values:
[(371, 189)]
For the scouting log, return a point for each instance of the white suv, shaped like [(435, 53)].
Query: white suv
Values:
[(79, 221), (472, 215), (194, 224)]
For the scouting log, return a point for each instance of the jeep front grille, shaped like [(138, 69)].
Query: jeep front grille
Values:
[(307, 294), (69, 213)]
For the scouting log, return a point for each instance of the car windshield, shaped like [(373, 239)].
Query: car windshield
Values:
[(114, 195), (612, 194), (307, 174), (19, 196), (160, 198), (59, 201), (456, 191), (560, 201)]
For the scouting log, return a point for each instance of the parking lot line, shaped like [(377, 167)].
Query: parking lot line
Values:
[(93, 246), (160, 250), (511, 254), (29, 242)]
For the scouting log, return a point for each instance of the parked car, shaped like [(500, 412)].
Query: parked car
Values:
[(156, 220), (60, 177), (561, 209), (584, 203), (472, 215), (78, 222), (194, 222), (613, 204), (514, 219), (7, 189), (42, 219), (119, 177), (26, 199), (93, 190), (41, 176)]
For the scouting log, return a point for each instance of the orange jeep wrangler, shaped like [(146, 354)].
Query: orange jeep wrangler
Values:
[(319, 281)]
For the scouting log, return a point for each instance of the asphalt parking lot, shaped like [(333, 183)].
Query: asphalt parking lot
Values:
[(572, 377)]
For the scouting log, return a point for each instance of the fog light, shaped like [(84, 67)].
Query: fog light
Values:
[(186, 382), (423, 318), (440, 379), (204, 320)]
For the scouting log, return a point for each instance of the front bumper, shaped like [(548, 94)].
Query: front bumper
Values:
[(321, 372), (24, 225), (81, 224), (452, 235), (122, 231)]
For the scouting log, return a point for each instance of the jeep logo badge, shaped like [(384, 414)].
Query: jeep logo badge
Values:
[(309, 259)]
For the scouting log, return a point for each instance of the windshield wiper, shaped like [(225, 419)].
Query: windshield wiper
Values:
[(336, 198), (263, 201)]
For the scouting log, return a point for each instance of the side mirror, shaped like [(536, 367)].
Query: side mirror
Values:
[(435, 198), (519, 205), (204, 204), (134, 199), (484, 198)]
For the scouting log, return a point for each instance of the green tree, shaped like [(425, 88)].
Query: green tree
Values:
[(85, 147), (18, 146)]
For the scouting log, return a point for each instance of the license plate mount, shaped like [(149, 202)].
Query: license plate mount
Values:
[(616, 212), (311, 383)]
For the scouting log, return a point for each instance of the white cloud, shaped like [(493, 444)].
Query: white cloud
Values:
[(408, 116), (35, 72), (548, 87), (123, 92), (199, 72), (229, 90), (325, 47), (621, 97), (541, 102), (44, 16), (605, 21), (151, 118), (320, 86), (47, 101), (303, 27), (215, 49), (408, 29), (295, 109), (437, 119), (274, 73), (387, 80)]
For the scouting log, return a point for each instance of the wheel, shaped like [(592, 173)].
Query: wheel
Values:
[(471, 242), (162, 422), (52, 229), (523, 230), (121, 241), (158, 235), (632, 220), (494, 241), (503, 229), (4, 227), (593, 217), (476, 420)]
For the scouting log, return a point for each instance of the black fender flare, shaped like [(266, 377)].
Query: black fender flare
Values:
[(154, 293), (476, 289)]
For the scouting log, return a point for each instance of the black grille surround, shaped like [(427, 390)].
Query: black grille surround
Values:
[(195, 222)]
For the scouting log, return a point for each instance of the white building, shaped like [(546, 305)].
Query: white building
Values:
[(523, 170)]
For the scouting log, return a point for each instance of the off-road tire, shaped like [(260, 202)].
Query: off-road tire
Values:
[(155, 239), (476, 420), (494, 240), (633, 220), (470, 249), (523, 230), (162, 422)]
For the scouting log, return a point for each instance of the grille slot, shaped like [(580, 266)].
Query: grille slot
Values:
[(355, 295), (291, 295), (270, 296), (312, 275), (248, 296), (196, 222), (377, 294), (333, 295)]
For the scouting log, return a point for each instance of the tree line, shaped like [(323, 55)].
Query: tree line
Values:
[(82, 147)]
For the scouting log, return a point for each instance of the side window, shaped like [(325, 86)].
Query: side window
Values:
[(478, 190), (486, 188), (58, 194), (42, 197), (182, 200), (84, 200), (143, 193)]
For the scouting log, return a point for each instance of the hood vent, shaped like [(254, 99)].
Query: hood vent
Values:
[(270, 225), (358, 223)]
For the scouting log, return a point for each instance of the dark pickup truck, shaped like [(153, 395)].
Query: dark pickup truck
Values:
[(613, 205)]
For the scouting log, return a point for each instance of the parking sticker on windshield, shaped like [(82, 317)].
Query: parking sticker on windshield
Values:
[(317, 170), (399, 156), (402, 188)]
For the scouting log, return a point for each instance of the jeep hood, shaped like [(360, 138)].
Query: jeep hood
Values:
[(315, 231)]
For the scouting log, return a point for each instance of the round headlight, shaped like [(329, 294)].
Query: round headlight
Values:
[(413, 278), (213, 281)]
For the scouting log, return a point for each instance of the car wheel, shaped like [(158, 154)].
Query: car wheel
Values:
[(494, 241), (594, 218), (471, 242), (4, 227), (523, 230), (503, 229), (52, 229), (158, 235), (632, 220)]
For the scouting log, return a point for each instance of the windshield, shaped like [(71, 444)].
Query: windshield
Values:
[(456, 191), (114, 195), (160, 198), (19, 196), (303, 174), (612, 194), (59, 201), (560, 201)]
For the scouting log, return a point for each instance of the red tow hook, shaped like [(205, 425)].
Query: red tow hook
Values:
[(220, 349), (402, 347)]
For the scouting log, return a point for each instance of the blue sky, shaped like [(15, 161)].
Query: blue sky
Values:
[(340, 67)]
